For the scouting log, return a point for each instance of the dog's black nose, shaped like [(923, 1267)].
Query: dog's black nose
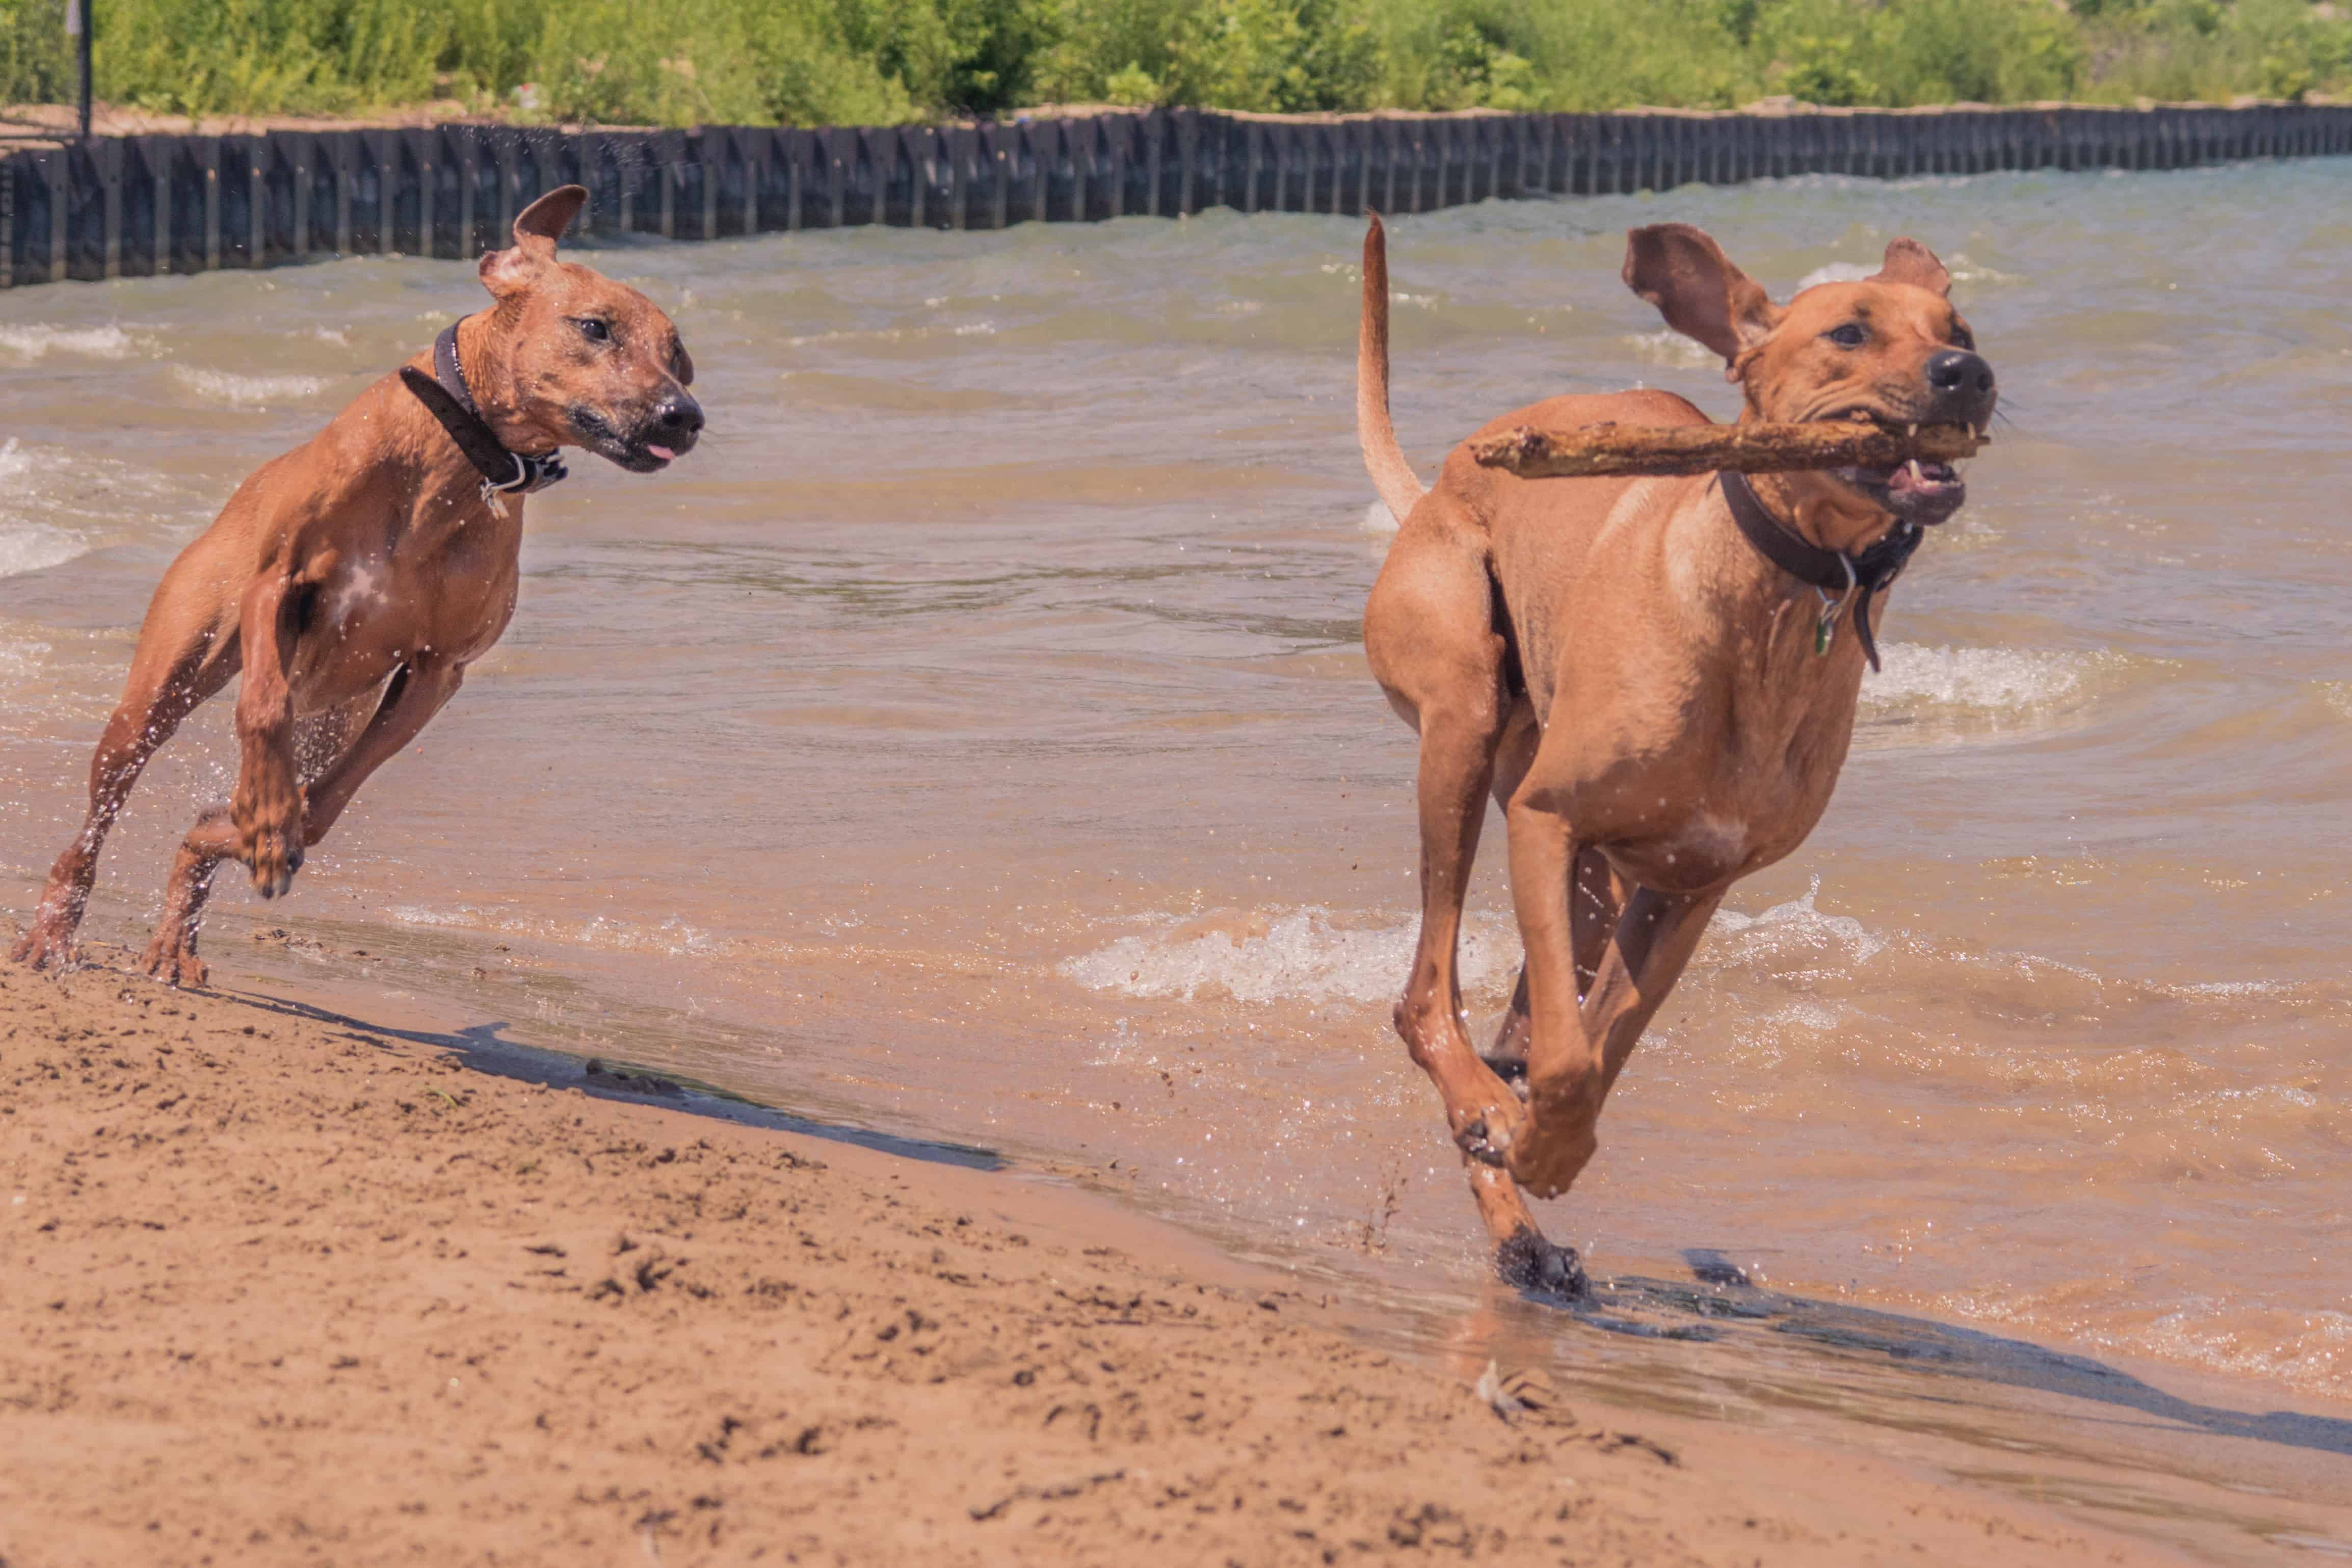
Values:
[(1962, 381), (679, 416)]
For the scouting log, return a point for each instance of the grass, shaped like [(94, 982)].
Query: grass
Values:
[(883, 61)]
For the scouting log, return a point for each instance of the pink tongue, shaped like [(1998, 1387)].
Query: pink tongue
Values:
[(664, 453)]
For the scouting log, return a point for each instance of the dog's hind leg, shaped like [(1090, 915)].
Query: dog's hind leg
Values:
[(1578, 1045), (1509, 1054), (186, 652), (332, 772), (171, 952), (319, 739), (1596, 897), (416, 693)]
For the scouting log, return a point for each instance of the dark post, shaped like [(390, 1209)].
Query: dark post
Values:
[(78, 26)]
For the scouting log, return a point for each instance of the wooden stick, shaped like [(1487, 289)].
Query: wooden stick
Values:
[(1603, 449)]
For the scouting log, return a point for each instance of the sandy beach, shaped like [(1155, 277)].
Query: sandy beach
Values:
[(281, 1290)]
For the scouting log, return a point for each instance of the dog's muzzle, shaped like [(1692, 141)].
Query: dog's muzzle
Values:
[(1960, 390), (663, 433)]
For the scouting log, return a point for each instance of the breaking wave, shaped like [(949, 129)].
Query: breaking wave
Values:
[(247, 392)]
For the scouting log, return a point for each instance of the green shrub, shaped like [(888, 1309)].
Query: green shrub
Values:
[(851, 61)]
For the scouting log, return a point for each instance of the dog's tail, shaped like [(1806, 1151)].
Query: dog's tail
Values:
[(1392, 477)]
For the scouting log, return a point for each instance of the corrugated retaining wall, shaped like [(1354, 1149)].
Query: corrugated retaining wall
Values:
[(136, 205)]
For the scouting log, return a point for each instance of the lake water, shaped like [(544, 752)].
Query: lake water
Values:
[(972, 741)]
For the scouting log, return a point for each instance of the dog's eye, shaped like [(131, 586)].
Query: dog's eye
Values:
[(1850, 336), (1962, 338), (595, 331)]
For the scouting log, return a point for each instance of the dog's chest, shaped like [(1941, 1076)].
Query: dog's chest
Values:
[(1710, 844), (378, 610), (1715, 803)]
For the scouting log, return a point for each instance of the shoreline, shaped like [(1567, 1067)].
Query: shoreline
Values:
[(287, 1290), (121, 207)]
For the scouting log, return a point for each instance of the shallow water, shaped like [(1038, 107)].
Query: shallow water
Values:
[(972, 740)]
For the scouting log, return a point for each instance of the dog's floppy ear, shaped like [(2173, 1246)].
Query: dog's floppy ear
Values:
[(549, 216), (1685, 275), (1908, 261), (536, 230)]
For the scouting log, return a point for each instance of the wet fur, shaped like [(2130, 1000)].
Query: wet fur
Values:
[(352, 580), (1630, 681)]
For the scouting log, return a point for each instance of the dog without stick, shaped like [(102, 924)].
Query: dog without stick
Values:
[(1642, 671), (1617, 449), (354, 578)]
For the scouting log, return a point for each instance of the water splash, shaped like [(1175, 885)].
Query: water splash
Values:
[(1836, 272), (1787, 932), (1950, 689), (247, 392), (1671, 350), (35, 341), (1311, 954)]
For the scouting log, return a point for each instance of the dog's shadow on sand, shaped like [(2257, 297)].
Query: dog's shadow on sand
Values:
[(1719, 1302), (483, 1048)]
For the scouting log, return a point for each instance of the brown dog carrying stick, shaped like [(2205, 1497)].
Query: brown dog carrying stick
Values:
[(1650, 674), (354, 578)]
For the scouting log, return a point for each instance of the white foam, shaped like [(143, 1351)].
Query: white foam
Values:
[(27, 546), (1308, 953), (247, 392), (1837, 272), (1787, 931), (1671, 348), (1963, 270), (1379, 521), (36, 547), (35, 341), (1985, 684)]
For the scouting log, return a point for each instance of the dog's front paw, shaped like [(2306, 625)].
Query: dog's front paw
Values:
[(1531, 1263), (269, 837)]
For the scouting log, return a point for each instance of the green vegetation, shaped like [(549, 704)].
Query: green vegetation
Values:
[(868, 61)]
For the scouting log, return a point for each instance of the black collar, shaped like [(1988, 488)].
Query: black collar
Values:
[(1862, 575), (446, 397)]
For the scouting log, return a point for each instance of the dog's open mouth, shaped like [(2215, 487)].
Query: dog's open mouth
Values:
[(1919, 491), (637, 455)]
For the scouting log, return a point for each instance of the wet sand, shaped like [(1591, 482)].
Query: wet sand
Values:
[(279, 1288)]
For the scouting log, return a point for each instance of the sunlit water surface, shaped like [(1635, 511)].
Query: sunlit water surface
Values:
[(972, 739)]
